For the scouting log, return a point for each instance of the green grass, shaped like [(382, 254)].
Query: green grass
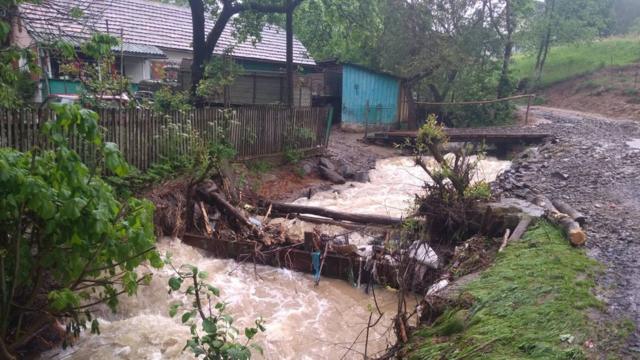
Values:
[(529, 304), (569, 61)]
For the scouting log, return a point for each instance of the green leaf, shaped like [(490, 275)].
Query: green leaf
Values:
[(186, 316), (175, 283), (209, 325), (250, 332), (214, 290), (95, 327), (173, 309)]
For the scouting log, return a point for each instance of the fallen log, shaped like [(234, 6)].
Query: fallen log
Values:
[(208, 193), (522, 227), (326, 221), (574, 231), (576, 235), (565, 208), (336, 215)]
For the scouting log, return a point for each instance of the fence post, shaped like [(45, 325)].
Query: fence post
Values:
[(329, 123), (526, 117)]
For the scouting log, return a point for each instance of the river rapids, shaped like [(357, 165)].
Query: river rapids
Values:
[(303, 321)]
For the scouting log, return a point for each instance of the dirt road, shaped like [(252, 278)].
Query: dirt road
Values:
[(595, 166)]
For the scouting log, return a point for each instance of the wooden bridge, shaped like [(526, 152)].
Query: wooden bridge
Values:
[(489, 135)]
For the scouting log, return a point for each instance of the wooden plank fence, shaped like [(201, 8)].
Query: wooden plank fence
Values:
[(145, 137)]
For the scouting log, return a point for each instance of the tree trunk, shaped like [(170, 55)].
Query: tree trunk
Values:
[(290, 87), (203, 47), (565, 208), (574, 232), (504, 87), (544, 45)]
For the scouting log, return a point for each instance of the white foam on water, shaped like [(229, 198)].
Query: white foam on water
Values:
[(302, 321), (394, 183), (634, 144)]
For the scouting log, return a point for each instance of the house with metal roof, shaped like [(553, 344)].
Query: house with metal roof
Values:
[(156, 44)]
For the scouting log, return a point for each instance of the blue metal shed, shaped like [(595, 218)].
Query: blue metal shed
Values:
[(368, 96)]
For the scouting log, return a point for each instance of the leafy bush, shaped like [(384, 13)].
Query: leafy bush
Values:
[(294, 140), (214, 337), (292, 156), (220, 72), (451, 192), (67, 243), (260, 166), (166, 101), (480, 115), (97, 75)]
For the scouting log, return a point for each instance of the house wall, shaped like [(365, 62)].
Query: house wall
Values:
[(368, 97), (176, 56), (136, 69)]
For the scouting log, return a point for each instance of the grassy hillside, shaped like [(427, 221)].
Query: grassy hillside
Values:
[(565, 62)]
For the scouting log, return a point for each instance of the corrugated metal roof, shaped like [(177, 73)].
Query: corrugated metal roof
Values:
[(128, 48), (139, 49), (151, 23)]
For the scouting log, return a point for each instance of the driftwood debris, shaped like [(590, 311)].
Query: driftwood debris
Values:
[(208, 193), (574, 231), (505, 240), (284, 208), (205, 218), (565, 208)]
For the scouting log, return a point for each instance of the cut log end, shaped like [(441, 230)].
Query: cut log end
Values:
[(577, 237)]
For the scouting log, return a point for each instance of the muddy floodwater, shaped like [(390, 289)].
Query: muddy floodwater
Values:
[(394, 183), (303, 321)]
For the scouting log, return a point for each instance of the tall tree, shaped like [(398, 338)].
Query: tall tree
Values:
[(506, 16), (564, 22), (345, 30), (248, 18)]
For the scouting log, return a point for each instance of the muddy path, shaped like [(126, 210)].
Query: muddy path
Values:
[(594, 164)]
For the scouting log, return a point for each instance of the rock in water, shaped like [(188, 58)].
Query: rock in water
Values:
[(362, 177), (324, 162), (331, 175)]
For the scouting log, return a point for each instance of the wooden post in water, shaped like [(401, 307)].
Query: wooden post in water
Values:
[(526, 117)]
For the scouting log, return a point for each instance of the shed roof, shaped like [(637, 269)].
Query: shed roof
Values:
[(152, 24)]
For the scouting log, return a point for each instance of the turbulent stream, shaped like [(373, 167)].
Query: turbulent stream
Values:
[(303, 321)]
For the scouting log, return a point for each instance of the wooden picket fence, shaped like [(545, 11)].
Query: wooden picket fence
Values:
[(145, 137)]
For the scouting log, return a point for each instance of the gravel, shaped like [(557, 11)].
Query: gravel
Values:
[(593, 166)]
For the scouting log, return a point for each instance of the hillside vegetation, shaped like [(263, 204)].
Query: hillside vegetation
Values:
[(569, 61)]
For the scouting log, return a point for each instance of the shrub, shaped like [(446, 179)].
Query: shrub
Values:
[(61, 222)]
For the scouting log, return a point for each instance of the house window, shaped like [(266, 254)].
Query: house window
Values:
[(157, 70)]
